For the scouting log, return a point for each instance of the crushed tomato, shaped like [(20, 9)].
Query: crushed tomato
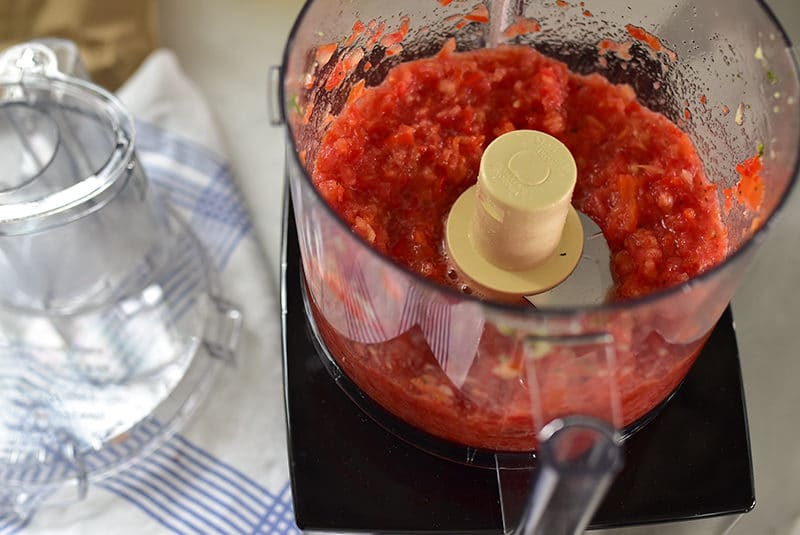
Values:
[(404, 151), (399, 154)]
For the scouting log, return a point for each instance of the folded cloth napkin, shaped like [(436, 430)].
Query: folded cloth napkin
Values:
[(227, 471)]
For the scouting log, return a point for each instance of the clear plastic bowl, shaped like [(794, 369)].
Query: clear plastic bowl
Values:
[(429, 354)]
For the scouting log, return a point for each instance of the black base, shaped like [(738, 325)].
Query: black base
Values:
[(349, 474)]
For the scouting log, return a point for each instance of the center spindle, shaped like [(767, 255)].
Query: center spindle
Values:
[(515, 233)]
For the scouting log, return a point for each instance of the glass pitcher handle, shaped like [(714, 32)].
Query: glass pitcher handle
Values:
[(50, 57), (68, 58)]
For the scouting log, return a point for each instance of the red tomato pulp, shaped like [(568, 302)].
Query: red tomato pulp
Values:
[(396, 158)]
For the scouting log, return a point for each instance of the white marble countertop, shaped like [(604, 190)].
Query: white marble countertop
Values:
[(227, 48)]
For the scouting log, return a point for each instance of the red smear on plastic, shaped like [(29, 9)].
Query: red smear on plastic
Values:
[(687, 114), (640, 34), (445, 2), (479, 14), (324, 53), (587, 13), (357, 90), (358, 29), (521, 26), (448, 48), (377, 31), (336, 77), (343, 68), (562, 3), (750, 189), (703, 100), (398, 36), (725, 110), (728, 204), (394, 49), (453, 19), (622, 50)]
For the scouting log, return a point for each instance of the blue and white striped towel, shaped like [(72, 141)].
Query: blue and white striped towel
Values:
[(227, 471)]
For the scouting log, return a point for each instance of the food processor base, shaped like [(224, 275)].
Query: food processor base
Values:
[(692, 460)]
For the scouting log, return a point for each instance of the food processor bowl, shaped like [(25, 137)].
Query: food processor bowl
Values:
[(483, 376)]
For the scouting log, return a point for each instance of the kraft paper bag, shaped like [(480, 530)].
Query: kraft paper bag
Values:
[(113, 37)]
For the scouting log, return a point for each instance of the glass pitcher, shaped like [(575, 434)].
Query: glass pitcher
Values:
[(110, 317)]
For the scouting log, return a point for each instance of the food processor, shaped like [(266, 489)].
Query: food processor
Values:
[(111, 318), (415, 356)]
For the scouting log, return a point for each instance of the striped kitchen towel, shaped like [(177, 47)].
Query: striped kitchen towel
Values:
[(226, 472)]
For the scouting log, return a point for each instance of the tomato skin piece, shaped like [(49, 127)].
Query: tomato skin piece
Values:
[(324, 53), (479, 14), (750, 189)]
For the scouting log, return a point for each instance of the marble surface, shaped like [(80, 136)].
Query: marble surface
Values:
[(227, 49)]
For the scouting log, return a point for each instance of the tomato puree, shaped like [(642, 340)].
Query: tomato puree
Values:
[(395, 159)]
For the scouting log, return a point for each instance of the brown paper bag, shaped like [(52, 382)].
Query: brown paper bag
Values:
[(113, 37)]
